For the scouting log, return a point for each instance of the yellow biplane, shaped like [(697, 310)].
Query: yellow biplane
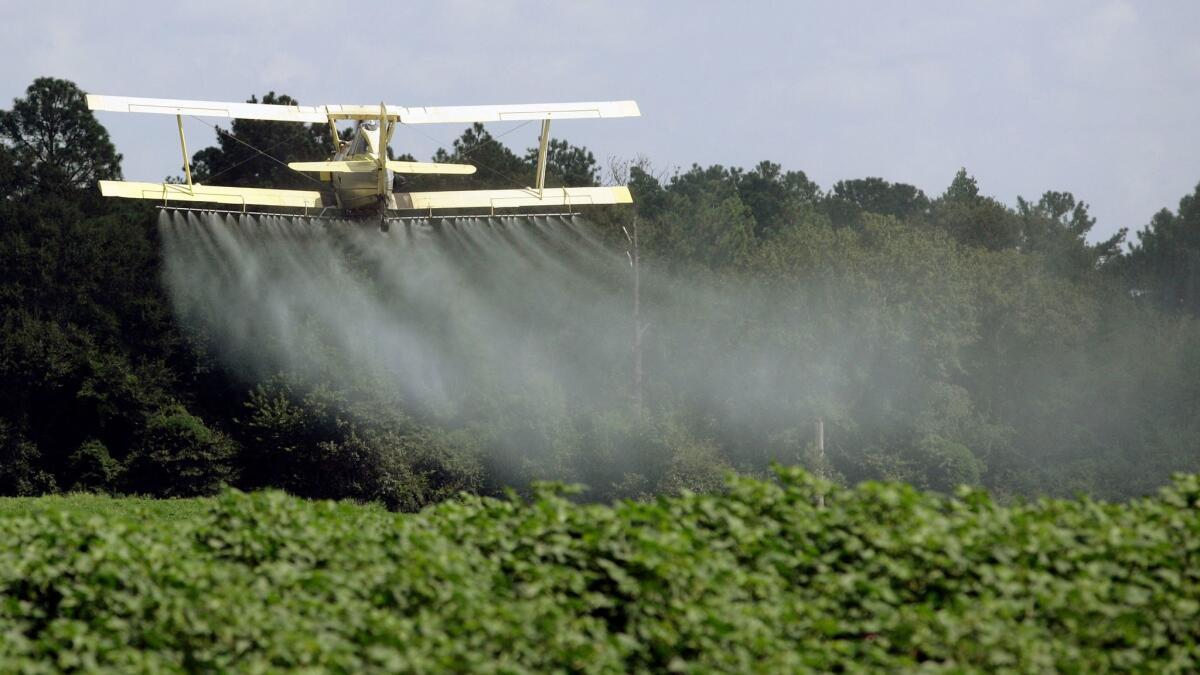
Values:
[(359, 172)]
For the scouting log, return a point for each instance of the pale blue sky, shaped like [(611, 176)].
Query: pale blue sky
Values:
[(1098, 97)]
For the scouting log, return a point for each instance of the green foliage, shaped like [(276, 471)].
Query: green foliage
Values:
[(1056, 228), (948, 465), (85, 332), (850, 199), (235, 160), (497, 166), (94, 468), (143, 510), (699, 219), (883, 578), (321, 444), (22, 469), (768, 200), (177, 455), (53, 144), (1164, 264), (695, 467), (566, 165), (773, 195)]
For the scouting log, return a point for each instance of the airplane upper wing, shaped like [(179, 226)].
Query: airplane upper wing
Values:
[(518, 112), (250, 111), (324, 113)]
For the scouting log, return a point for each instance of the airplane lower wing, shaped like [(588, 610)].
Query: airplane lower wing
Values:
[(212, 194), (511, 199), (456, 199)]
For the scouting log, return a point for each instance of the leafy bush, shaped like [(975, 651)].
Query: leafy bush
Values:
[(20, 465), (321, 444), (694, 466), (178, 456), (947, 464), (884, 578), (94, 467)]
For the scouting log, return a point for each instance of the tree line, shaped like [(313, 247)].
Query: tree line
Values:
[(980, 343)]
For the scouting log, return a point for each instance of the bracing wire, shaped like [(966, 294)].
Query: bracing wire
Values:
[(467, 153), (272, 147), (278, 161)]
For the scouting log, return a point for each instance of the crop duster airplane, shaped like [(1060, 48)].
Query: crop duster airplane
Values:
[(359, 172)]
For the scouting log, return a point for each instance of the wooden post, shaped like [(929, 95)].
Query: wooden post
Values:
[(821, 458), (639, 328)]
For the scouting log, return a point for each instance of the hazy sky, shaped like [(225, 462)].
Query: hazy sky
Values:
[(1098, 98)]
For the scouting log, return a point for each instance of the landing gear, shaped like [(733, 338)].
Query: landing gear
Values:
[(383, 222)]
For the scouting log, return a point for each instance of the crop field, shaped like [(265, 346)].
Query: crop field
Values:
[(755, 579), (80, 504)]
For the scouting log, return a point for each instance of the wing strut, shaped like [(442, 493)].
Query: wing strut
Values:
[(333, 135), (541, 165), (382, 158), (187, 165)]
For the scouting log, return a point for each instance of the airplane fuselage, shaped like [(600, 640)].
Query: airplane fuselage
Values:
[(362, 190)]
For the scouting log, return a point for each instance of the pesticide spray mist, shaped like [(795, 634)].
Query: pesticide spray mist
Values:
[(523, 326), (419, 309)]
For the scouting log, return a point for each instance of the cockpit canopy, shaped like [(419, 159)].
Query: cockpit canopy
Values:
[(366, 138)]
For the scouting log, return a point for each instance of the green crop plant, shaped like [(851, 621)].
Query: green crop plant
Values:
[(757, 579)]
